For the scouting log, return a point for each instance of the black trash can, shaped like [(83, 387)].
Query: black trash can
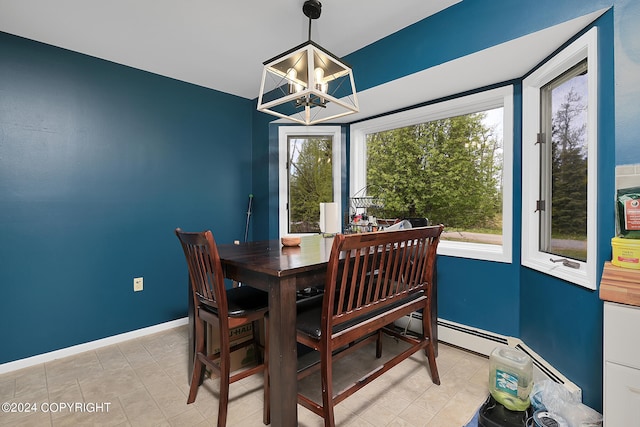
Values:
[(494, 414)]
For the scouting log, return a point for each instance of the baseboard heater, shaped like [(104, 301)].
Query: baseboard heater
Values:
[(483, 342)]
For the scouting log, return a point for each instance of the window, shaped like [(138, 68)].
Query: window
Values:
[(559, 170), (449, 162), (309, 175), (562, 141)]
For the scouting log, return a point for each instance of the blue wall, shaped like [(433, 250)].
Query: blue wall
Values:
[(560, 321), (99, 163)]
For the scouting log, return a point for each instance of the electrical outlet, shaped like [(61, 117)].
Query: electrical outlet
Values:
[(137, 284)]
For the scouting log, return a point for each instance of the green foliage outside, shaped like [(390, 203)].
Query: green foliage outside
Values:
[(449, 171), (569, 177), (569, 168), (310, 182)]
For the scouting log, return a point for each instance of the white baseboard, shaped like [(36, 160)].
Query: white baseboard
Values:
[(483, 342), (92, 345)]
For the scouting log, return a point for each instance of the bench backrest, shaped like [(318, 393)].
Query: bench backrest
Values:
[(370, 272)]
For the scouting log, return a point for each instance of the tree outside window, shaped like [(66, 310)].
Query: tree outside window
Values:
[(447, 170), (310, 181)]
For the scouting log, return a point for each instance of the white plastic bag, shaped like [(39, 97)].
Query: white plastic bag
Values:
[(402, 225)]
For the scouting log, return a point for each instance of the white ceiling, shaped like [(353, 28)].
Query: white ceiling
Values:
[(212, 43), (196, 41)]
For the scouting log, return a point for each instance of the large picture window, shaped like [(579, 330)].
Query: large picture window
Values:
[(448, 163), (560, 174)]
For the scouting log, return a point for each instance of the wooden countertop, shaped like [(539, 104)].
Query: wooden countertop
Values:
[(620, 285)]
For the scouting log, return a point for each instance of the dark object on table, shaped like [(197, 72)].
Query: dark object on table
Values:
[(418, 222)]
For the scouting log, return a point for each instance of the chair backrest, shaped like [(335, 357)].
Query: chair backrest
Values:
[(205, 270), (371, 271)]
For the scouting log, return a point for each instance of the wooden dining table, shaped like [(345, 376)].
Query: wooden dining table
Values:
[(281, 271)]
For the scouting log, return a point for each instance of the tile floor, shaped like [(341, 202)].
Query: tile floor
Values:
[(143, 382)]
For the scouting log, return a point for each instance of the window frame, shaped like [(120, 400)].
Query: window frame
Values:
[(584, 47), (284, 132), (466, 104)]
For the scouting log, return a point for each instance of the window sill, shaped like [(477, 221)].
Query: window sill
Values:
[(579, 276), (479, 251)]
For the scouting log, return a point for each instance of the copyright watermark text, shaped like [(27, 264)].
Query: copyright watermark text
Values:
[(55, 407)]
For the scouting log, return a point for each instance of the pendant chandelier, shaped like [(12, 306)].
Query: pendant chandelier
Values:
[(307, 84)]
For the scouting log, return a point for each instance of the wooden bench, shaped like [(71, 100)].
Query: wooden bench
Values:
[(372, 280)]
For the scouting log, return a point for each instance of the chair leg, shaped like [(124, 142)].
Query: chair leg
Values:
[(266, 416), (193, 389), (431, 356), (430, 350), (197, 363), (326, 376), (255, 328), (223, 402), (379, 344)]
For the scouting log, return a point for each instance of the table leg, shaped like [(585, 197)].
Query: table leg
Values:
[(283, 358)]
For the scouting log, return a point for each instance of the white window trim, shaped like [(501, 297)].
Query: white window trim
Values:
[(532, 257), (494, 98), (283, 134)]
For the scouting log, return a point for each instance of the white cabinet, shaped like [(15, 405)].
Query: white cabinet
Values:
[(621, 397)]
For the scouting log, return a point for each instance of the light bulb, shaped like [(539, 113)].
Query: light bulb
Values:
[(319, 79), (292, 74)]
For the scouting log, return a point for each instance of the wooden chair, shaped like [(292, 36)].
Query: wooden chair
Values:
[(372, 280), (224, 309)]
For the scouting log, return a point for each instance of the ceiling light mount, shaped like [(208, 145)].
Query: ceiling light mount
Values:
[(307, 84), (312, 10)]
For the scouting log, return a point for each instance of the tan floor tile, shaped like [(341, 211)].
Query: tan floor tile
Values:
[(358, 422), (146, 382), (380, 415), (456, 412), (112, 417), (140, 408), (415, 415), (432, 400), (33, 419), (7, 388), (178, 371), (136, 353), (30, 381), (110, 384), (307, 418), (170, 399), (112, 358), (68, 395), (190, 417)]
